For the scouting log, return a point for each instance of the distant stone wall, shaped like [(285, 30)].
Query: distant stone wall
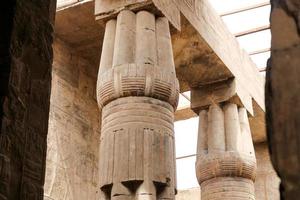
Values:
[(267, 181), (74, 129), (266, 184), (190, 194)]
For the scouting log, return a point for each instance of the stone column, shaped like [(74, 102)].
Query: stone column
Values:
[(137, 91), (226, 163), (283, 96)]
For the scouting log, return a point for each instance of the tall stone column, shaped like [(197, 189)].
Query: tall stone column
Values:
[(138, 92), (226, 163)]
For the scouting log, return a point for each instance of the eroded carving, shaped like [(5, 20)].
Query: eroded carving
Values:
[(226, 163), (138, 92)]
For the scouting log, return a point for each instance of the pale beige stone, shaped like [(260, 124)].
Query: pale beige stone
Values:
[(142, 129), (124, 50), (164, 45), (246, 138), (142, 60), (227, 188), (216, 132), (146, 51), (232, 127), (226, 173), (202, 144), (138, 97), (266, 183), (73, 132), (197, 65), (108, 46), (120, 192), (146, 191)]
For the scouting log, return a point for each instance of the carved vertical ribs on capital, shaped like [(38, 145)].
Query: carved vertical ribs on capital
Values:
[(137, 59), (226, 163), (138, 91)]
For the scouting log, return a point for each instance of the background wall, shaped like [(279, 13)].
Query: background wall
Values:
[(74, 128)]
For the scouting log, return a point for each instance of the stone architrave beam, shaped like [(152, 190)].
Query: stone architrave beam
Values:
[(214, 32), (205, 51), (221, 92)]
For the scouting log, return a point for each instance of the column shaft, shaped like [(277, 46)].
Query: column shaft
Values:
[(138, 97)]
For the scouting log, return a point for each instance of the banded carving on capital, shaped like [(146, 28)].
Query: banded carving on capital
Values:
[(137, 80), (138, 92), (225, 164)]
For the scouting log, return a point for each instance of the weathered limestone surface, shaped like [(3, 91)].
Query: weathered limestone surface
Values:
[(73, 138), (25, 60), (136, 60), (283, 95), (138, 92), (266, 182), (196, 59), (193, 193), (226, 164)]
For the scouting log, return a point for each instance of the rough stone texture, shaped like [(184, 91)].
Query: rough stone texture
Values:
[(139, 147), (26, 58), (190, 194), (138, 92), (74, 128), (226, 164), (266, 183), (196, 62), (283, 95), (76, 26)]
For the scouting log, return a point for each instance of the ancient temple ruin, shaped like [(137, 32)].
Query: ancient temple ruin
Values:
[(100, 122), (146, 54)]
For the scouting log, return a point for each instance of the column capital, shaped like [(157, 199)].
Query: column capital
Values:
[(218, 93), (225, 153)]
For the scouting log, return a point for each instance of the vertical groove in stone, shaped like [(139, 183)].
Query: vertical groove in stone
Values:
[(138, 96), (216, 132), (124, 49), (120, 192), (108, 46), (228, 169), (202, 133), (146, 191), (246, 132), (145, 39), (148, 137), (164, 44), (232, 127)]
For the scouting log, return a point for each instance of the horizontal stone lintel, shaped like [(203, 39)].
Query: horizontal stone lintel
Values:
[(204, 51), (228, 91)]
